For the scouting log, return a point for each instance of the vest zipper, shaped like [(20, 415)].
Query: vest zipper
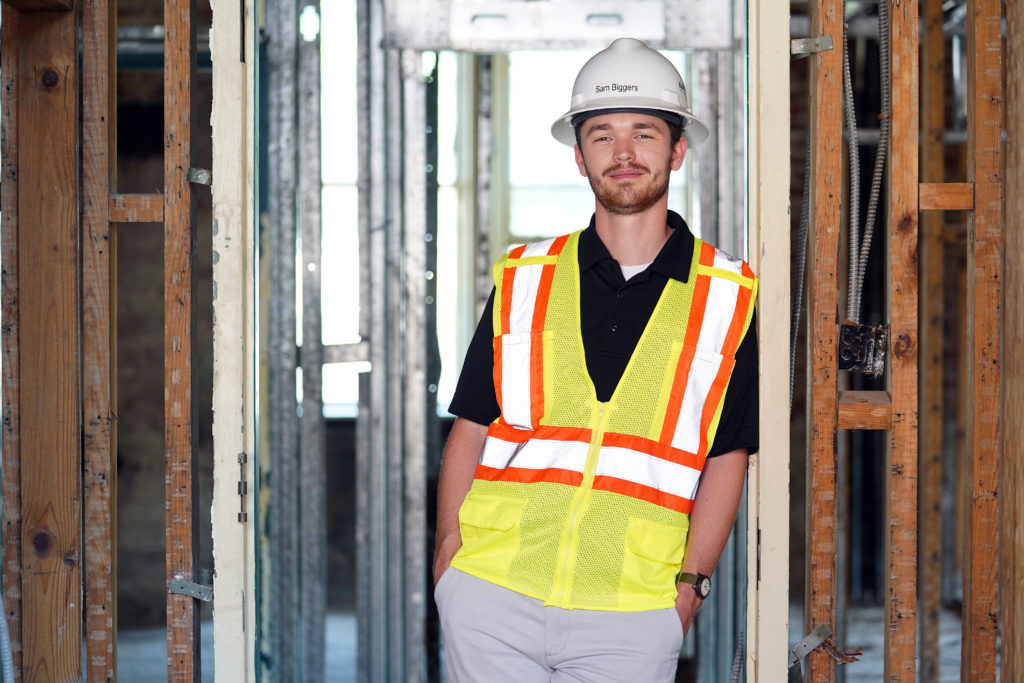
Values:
[(563, 580)]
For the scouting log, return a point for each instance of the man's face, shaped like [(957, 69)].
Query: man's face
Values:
[(627, 157)]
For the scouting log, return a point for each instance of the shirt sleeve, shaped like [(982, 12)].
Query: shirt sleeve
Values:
[(474, 397), (738, 425)]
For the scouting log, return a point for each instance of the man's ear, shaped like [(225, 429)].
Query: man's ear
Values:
[(678, 153), (579, 161)]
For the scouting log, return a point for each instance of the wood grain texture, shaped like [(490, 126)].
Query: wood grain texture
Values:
[(1012, 543), (864, 410), (939, 196), (99, 293), (179, 313), (984, 309), (40, 5), (932, 305), (136, 208), (51, 409), (9, 30), (901, 455), (823, 320)]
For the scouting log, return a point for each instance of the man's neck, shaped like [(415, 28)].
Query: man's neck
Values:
[(635, 239)]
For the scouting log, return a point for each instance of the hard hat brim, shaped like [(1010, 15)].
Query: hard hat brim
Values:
[(695, 131)]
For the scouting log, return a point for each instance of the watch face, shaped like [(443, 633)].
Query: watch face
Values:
[(703, 587)]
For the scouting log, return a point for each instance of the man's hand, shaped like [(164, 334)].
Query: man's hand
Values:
[(687, 604), (461, 454)]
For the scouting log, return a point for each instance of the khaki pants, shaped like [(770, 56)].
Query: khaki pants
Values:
[(492, 634)]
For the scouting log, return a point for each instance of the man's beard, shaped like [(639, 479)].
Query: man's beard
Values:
[(624, 198)]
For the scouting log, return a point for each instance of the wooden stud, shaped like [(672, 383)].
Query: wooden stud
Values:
[(1011, 578), (49, 328), (136, 208), (938, 195), (9, 30), (984, 297), (864, 410), (823, 320), (901, 455), (932, 194), (179, 313), (40, 5), (99, 292)]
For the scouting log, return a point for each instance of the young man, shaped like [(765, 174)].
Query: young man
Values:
[(606, 409)]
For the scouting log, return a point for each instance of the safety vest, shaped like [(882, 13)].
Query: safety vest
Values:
[(585, 504)]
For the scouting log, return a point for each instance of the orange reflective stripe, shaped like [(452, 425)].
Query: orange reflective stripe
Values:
[(739, 319), (675, 398), (713, 400), (641, 492), (523, 475), (508, 276), (652, 448), (545, 432), (497, 373)]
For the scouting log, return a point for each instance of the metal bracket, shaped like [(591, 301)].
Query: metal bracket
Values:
[(805, 47), (199, 176), (812, 640), (193, 589), (243, 488)]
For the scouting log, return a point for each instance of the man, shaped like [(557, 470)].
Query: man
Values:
[(613, 371)]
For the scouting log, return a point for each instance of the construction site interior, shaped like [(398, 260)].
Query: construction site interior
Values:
[(245, 246)]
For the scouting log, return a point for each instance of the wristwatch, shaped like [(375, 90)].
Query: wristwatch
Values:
[(701, 583)]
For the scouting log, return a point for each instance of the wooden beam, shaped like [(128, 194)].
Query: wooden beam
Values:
[(9, 31), (40, 5), (99, 294), (939, 196), (823, 320), (179, 314), (1011, 550), (984, 297), (901, 455), (50, 325), (932, 194), (864, 410), (136, 208)]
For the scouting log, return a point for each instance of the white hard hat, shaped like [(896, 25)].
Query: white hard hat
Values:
[(629, 75)]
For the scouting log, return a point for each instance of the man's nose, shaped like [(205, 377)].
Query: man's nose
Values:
[(624, 149)]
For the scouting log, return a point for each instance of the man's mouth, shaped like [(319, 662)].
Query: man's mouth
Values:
[(625, 173)]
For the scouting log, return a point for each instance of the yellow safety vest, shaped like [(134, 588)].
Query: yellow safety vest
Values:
[(585, 504)]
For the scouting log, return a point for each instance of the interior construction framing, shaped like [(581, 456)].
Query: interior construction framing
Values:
[(896, 409), (59, 337)]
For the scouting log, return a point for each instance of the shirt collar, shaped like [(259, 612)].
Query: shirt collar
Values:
[(672, 261)]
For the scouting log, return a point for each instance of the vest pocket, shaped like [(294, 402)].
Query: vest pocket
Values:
[(654, 552), (489, 525)]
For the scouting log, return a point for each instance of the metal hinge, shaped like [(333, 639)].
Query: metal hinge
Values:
[(243, 488)]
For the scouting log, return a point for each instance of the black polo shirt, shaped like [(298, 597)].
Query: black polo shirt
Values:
[(613, 315)]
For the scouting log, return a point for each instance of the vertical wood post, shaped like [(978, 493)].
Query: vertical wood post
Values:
[(901, 455), (984, 299), (823, 327), (932, 304), (1012, 542), (49, 328), (179, 309), (99, 292), (9, 30)]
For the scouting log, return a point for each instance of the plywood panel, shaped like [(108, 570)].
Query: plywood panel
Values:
[(50, 325)]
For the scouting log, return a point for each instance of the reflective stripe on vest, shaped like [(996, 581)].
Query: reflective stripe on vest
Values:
[(664, 470)]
